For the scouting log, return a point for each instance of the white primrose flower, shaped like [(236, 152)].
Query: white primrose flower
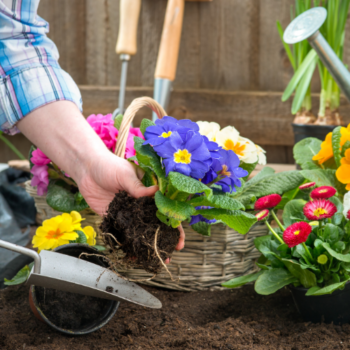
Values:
[(261, 155), (229, 139), (209, 129), (346, 205)]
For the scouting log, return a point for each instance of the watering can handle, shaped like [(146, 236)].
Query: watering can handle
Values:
[(25, 251)]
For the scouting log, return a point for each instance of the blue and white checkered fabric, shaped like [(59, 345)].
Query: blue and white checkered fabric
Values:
[(30, 75)]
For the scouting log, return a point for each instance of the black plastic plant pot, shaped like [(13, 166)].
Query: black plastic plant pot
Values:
[(302, 131), (329, 308), (106, 309)]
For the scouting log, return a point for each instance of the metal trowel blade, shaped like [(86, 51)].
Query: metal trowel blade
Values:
[(74, 275)]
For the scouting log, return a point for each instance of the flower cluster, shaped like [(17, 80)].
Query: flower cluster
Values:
[(62, 229), (190, 149), (229, 139), (40, 171), (104, 127)]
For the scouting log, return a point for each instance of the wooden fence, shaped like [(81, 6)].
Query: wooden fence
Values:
[(232, 66)]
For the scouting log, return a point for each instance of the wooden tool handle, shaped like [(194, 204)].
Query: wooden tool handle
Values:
[(170, 41), (127, 36)]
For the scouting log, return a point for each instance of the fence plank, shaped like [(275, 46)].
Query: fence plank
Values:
[(67, 30)]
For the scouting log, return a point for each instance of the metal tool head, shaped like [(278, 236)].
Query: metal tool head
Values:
[(305, 25), (75, 275)]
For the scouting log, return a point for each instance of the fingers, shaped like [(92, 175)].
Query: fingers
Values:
[(181, 243), (139, 190)]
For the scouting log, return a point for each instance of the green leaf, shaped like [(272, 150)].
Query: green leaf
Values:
[(186, 184), (202, 227), (173, 209), (266, 171), (246, 200), (309, 60), (345, 147), (168, 221), (236, 219), (306, 277), (217, 201), (242, 280), (322, 177), (78, 197), (100, 248), (304, 150), (340, 257), (82, 237), (270, 281), (149, 179), (268, 248), (145, 124), (303, 86), (60, 198), (338, 216), (326, 290), (276, 183), (286, 46), (118, 121), (336, 136), (287, 197), (293, 212), (248, 167), (30, 155), (21, 276)]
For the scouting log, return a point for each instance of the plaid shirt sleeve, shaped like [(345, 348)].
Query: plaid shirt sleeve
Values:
[(30, 75)]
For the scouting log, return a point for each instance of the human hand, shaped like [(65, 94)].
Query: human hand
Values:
[(109, 175)]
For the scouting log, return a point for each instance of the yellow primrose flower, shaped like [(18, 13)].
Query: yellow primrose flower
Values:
[(76, 220), (229, 139), (209, 129), (261, 155), (343, 172), (90, 235), (326, 151), (55, 232)]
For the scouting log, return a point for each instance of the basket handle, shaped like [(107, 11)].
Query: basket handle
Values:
[(129, 115)]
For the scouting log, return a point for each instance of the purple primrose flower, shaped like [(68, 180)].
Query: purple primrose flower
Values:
[(159, 133), (226, 170), (187, 155), (200, 218)]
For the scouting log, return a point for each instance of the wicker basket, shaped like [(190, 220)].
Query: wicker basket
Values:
[(205, 262)]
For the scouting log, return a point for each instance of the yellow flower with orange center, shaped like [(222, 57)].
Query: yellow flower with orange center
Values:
[(326, 151), (55, 232), (343, 172)]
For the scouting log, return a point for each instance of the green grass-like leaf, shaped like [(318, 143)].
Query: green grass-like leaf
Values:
[(336, 136)]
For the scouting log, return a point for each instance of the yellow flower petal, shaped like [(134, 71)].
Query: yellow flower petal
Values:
[(90, 235), (69, 236), (343, 173)]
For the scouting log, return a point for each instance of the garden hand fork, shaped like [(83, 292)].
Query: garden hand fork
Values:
[(70, 274)]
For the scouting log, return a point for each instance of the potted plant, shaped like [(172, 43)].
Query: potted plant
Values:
[(328, 116), (309, 252)]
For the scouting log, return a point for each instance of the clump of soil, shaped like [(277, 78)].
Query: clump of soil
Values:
[(69, 310), (134, 225)]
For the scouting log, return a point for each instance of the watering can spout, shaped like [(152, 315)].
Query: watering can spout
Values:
[(306, 26)]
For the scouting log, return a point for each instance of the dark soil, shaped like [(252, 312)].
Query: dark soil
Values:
[(231, 319), (68, 310), (133, 222)]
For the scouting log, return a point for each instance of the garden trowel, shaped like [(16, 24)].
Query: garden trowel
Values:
[(70, 274)]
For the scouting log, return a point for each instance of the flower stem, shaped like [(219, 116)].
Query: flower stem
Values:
[(274, 233), (307, 251), (12, 147), (277, 220)]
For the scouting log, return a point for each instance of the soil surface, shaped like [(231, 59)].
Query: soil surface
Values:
[(134, 224), (230, 319), (68, 310)]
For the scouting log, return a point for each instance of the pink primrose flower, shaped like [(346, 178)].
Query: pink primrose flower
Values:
[(40, 178), (130, 150), (39, 158)]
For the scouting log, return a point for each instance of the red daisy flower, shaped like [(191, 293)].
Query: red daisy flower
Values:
[(307, 186), (262, 214), (296, 233), (319, 209), (267, 202), (347, 215), (323, 192)]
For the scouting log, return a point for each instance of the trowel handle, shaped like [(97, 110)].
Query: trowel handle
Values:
[(127, 36), (170, 41), (18, 249)]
